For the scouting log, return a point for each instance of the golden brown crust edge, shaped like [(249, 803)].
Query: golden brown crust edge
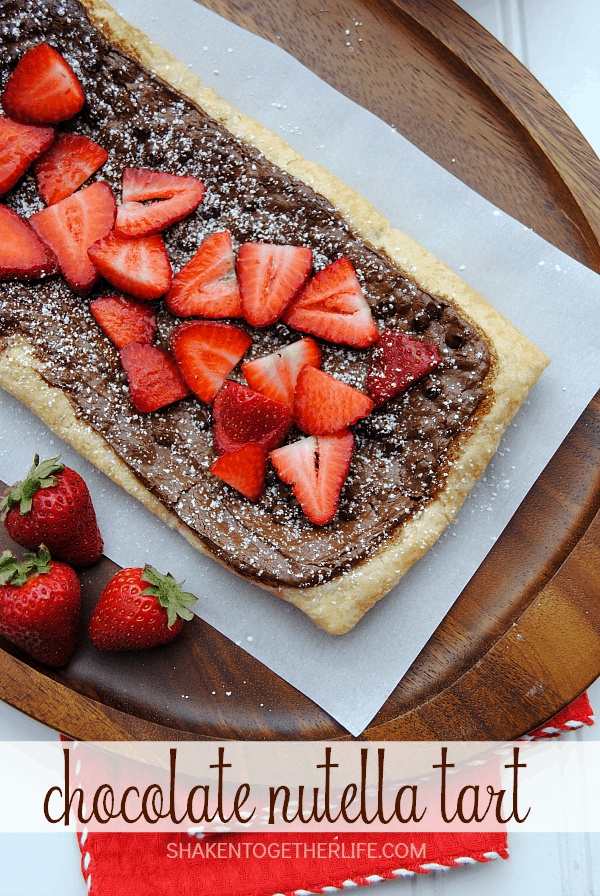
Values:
[(337, 605)]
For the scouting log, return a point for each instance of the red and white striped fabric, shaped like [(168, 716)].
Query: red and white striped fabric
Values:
[(259, 864)]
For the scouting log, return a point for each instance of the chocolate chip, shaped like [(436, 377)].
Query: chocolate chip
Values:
[(454, 337), (432, 388), (401, 303), (386, 306), (433, 309), (420, 321), (280, 513)]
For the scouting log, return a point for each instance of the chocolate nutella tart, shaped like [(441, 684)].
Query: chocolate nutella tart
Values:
[(415, 453)]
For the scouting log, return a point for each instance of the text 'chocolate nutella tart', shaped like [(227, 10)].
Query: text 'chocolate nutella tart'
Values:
[(415, 455)]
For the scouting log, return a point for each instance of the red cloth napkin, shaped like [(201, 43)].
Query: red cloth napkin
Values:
[(284, 864)]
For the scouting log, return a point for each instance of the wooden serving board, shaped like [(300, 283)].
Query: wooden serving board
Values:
[(523, 639)]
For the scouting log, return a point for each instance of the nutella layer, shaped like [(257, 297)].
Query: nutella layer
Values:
[(403, 450)]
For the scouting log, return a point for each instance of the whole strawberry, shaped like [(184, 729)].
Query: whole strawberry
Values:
[(40, 604), (52, 506), (139, 608)]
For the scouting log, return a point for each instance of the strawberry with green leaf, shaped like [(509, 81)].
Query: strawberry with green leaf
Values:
[(53, 506), (40, 605), (139, 608)]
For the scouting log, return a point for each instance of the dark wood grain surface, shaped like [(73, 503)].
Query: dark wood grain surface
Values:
[(524, 637)]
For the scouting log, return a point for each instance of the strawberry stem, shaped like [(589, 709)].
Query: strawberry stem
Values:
[(41, 475), (169, 594), (15, 572)]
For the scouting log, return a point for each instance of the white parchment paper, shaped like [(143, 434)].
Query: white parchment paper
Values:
[(551, 298)]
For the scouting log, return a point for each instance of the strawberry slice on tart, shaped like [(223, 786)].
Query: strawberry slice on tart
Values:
[(242, 416), (332, 306), (22, 254), (398, 361), (244, 470), (316, 467), (207, 285), (180, 195), (154, 378), (139, 267), (275, 375), (269, 277), (66, 165), (43, 89), (71, 226), (206, 352), (324, 404), (20, 144), (125, 320)]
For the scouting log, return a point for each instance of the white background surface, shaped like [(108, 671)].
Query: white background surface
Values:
[(559, 44)]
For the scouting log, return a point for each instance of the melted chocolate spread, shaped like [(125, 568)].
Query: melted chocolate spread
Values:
[(402, 450)]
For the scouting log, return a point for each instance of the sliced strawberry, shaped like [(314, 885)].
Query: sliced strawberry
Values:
[(332, 306), (241, 415), (71, 226), (43, 89), (20, 144), (141, 268), (275, 375), (323, 404), (316, 467), (269, 278), (125, 320), (22, 254), (244, 469), (180, 195), (398, 361), (206, 353), (68, 163), (154, 378), (207, 285)]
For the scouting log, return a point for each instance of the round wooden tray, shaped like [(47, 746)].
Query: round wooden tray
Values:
[(523, 639)]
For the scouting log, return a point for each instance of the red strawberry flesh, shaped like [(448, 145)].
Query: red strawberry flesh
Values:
[(154, 378), (324, 404), (69, 162), (242, 416), (207, 285), (125, 320), (52, 506), (22, 254), (180, 195), (269, 277), (20, 144), (139, 267), (245, 470), (43, 89), (275, 375), (332, 306), (206, 353), (398, 361), (316, 467), (71, 226)]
